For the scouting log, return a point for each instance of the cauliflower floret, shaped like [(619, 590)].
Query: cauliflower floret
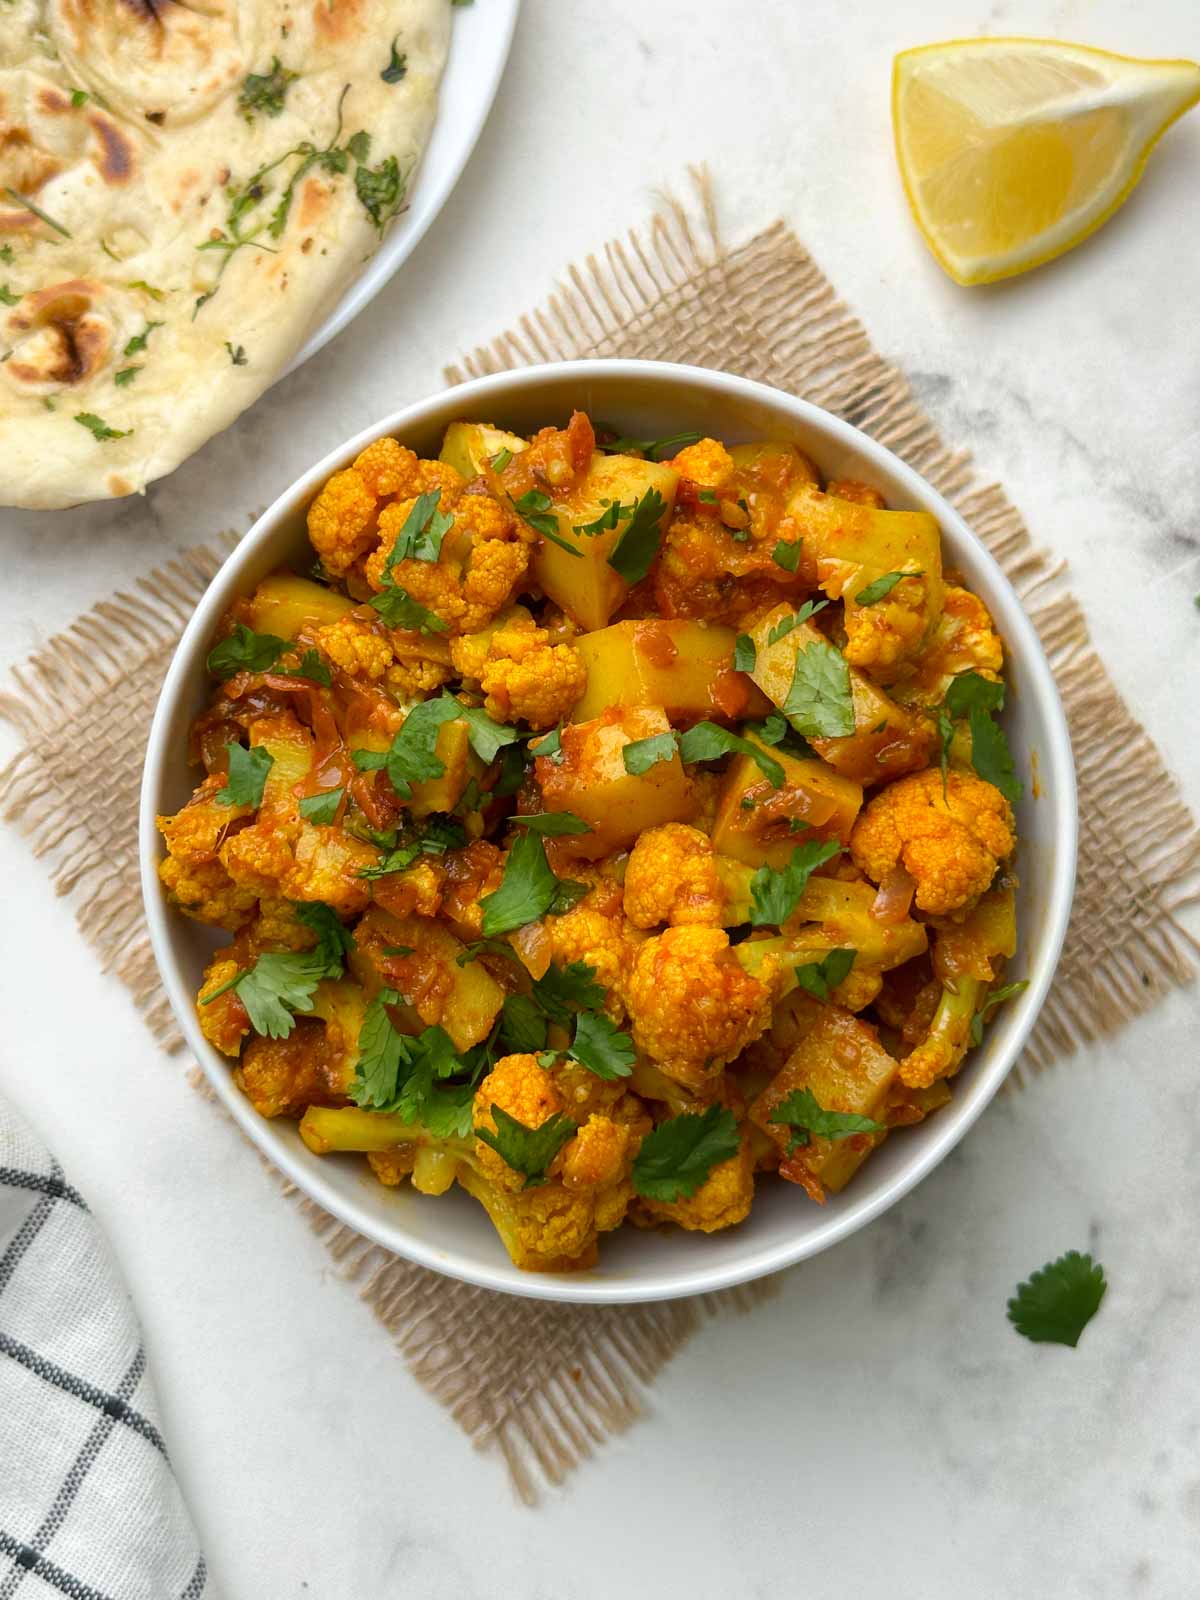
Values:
[(363, 650), (206, 892), (597, 932), (707, 463), (470, 652), (672, 877), (527, 679), (223, 1021), (965, 640), (693, 1006), (343, 519), (550, 1228), (281, 1077), (951, 845), (194, 834), (277, 927), (483, 557), (518, 1085), (597, 1156), (722, 1200)]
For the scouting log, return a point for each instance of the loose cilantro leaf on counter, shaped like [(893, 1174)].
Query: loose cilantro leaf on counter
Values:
[(552, 822), (601, 1047), (244, 651), (652, 449), (1056, 1304), (641, 754), (266, 91), (678, 1155), (246, 776), (708, 741), (775, 892), (321, 808), (786, 554), (633, 554), (745, 653), (819, 978), (997, 997), (140, 340), (819, 702), (97, 426), (526, 890), (805, 1117), (882, 587), (529, 1151), (381, 190), (397, 67)]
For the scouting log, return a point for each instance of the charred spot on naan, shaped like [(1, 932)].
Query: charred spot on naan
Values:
[(337, 20), (118, 154), (59, 337)]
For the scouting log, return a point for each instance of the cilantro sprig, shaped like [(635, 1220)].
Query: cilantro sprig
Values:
[(244, 651), (881, 587), (706, 741), (820, 978), (283, 983), (652, 449), (633, 554), (247, 776), (975, 697), (265, 91), (1056, 1303), (526, 890), (820, 703)]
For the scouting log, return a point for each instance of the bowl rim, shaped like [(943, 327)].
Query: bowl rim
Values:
[(952, 1123)]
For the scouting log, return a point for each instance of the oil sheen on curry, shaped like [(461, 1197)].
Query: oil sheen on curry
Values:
[(606, 826)]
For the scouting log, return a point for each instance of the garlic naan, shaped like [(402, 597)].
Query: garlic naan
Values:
[(185, 190)]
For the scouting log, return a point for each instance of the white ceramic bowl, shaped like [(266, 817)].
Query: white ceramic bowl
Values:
[(451, 1233)]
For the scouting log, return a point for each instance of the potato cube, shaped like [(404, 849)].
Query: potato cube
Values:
[(464, 1000), (592, 781), (754, 822), (841, 1062), (287, 605), (684, 667), (453, 749), (584, 584), (468, 446)]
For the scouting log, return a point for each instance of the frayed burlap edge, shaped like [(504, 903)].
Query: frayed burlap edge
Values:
[(765, 309), (82, 708)]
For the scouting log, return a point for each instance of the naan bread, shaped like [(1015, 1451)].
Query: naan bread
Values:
[(203, 180)]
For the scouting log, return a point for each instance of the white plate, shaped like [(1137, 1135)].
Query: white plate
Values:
[(479, 46)]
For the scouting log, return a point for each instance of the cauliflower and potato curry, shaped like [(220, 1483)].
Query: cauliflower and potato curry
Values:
[(601, 826)]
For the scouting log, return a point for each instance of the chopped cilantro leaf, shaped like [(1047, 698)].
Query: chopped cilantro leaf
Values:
[(652, 449), (244, 651), (265, 91), (775, 892), (971, 691), (633, 554), (7, 297), (819, 702), (708, 741), (613, 513), (140, 340), (522, 1024), (125, 376), (321, 808), (397, 67), (420, 538), (526, 890), (549, 746), (529, 1151), (820, 978), (678, 1156), (601, 1047), (381, 190), (246, 777), (786, 554), (801, 1113), (237, 354), (641, 754), (995, 998), (560, 991), (991, 757), (552, 822), (745, 655), (882, 587), (568, 893), (786, 624), (399, 610), (501, 459), (487, 738), (99, 428)]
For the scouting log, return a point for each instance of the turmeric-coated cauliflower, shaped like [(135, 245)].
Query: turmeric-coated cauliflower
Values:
[(361, 649), (672, 877), (692, 1005), (206, 892), (707, 463), (951, 844), (518, 1085), (527, 679), (343, 519), (722, 1200), (597, 932), (223, 1018), (965, 640)]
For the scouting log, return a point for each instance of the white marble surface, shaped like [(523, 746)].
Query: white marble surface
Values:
[(878, 1431)]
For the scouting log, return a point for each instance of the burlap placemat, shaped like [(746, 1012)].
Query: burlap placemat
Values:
[(542, 1384)]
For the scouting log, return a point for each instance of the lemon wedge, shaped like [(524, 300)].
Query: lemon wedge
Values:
[(1014, 150)]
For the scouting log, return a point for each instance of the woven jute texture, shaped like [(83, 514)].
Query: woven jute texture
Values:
[(543, 1385)]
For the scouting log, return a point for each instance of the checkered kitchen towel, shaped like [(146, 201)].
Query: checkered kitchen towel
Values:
[(89, 1507)]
